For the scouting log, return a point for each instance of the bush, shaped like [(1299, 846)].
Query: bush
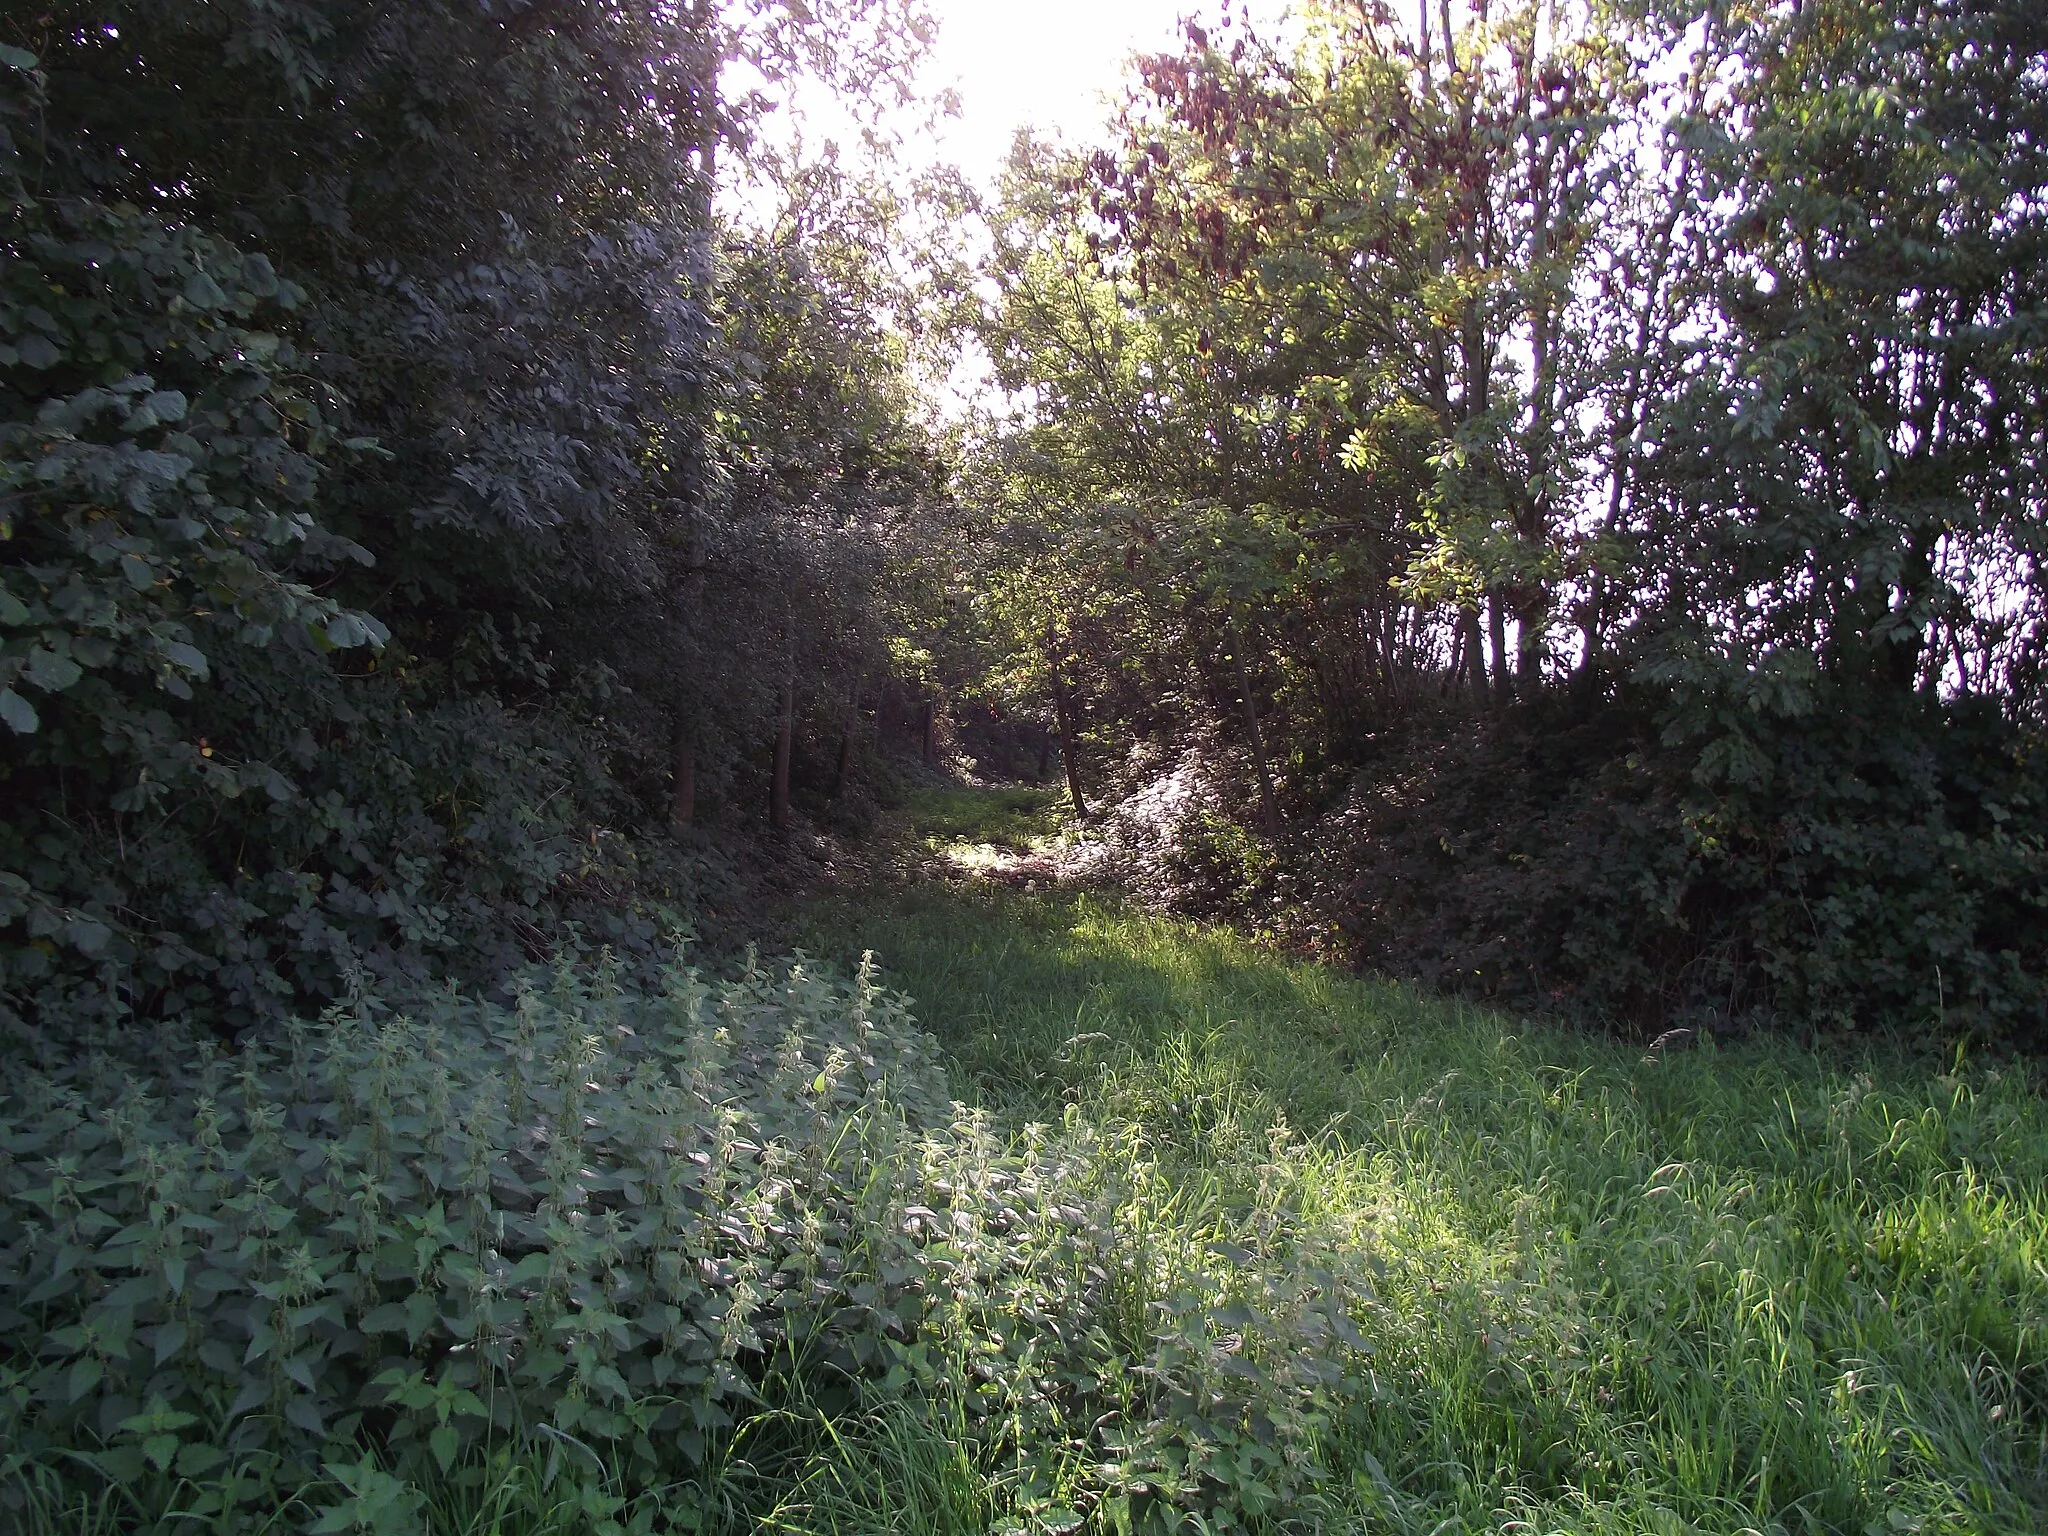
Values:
[(420, 1231), (375, 1254), (1176, 841), (1840, 867)]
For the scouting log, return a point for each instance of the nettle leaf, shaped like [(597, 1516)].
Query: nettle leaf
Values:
[(445, 1442)]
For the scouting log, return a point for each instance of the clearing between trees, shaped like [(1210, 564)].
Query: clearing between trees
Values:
[(1155, 1229), (1596, 1287)]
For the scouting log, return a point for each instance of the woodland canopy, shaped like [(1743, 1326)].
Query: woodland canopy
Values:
[(1580, 469)]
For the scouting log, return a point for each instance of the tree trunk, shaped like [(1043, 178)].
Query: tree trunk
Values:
[(1475, 652), (845, 764), (682, 805), (1069, 757), (928, 734), (1529, 643), (1497, 621), (1269, 800), (1044, 757), (785, 741)]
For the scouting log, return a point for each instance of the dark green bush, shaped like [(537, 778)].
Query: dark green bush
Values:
[(403, 1241), (401, 475), (587, 1211), (1842, 866)]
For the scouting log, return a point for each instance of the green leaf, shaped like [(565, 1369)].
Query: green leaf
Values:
[(19, 714), (188, 657), (1348, 1331), (444, 1442), (344, 630), (85, 1375), (202, 292), (18, 58), (167, 405), (259, 276), (120, 1464), (50, 672), (87, 935), (196, 1458)]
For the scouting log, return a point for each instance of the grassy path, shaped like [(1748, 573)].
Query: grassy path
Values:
[(1717, 1289)]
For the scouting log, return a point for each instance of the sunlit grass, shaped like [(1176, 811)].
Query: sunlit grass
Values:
[(1016, 818), (1720, 1287), (1712, 1288)]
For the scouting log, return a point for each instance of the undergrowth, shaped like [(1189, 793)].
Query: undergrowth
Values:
[(1704, 1287), (1219, 1241)]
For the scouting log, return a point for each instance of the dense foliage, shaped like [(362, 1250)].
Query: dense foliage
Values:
[(1669, 380), (408, 484), (447, 1226), (340, 1269), (1544, 497)]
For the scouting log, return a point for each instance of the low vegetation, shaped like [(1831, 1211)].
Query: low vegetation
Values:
[(1217, 1237), (1701, 1286)]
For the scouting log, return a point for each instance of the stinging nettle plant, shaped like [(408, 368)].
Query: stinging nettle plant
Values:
[(397, 1242)]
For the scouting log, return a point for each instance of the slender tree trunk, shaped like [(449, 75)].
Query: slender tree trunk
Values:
[(845, 764), (1269, 800), (1475, 652), (1591, 628), (682, 805), (1044, 757), (1529, 644), (1497, 622), (885, 715), (1070, 758), (928, 734), (785, 741)]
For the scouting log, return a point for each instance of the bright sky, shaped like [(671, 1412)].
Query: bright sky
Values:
[(1054, 64), (1046, 62)]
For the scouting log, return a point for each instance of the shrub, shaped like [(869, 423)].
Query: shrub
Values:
[(419, 1230), (1874, 867), (395, 1244)]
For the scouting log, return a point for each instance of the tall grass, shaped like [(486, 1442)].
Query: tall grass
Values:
[(1712, 1287), (1236, 1243)]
